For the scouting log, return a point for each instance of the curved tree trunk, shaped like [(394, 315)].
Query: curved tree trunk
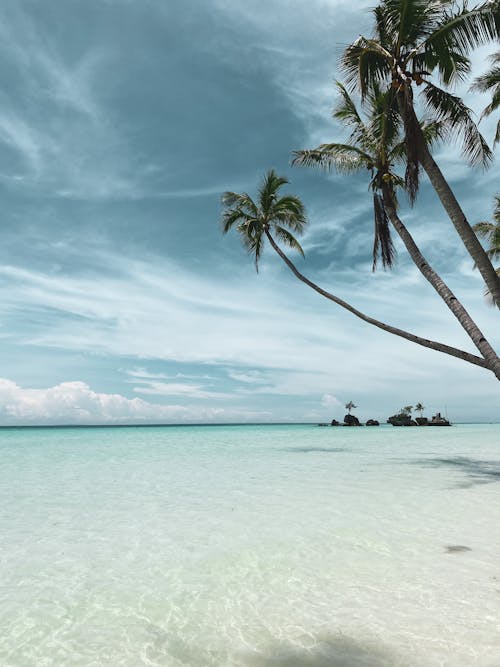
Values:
[(469, 238), (468, 324), (450, 203), (433, 345)]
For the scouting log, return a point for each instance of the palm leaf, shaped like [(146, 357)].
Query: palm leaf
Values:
[(243, 201), (343, 158), (289, 210), (363, 63), (464, 29), (347, 113), (457, 116), (382, 243), (267, 191), (287, 238), (232, 216)]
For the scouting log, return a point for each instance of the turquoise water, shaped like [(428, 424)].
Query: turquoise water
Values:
[(250, 546)]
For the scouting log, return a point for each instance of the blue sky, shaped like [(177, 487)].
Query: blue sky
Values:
[(121, 123)]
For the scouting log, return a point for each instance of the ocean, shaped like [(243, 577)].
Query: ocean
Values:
[(250, 546)]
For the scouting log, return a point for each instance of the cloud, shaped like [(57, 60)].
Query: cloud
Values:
[(158, 309), (329, 401), (179, 389), (76, 402)]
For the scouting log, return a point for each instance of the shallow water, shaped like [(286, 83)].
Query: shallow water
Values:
[(250, 546)]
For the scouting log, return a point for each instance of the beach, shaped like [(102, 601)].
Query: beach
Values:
[(250, 545)]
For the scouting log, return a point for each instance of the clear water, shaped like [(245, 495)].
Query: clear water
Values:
[(251, 546)]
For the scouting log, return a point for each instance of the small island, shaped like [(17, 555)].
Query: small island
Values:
[(403, 418), (351, 420)]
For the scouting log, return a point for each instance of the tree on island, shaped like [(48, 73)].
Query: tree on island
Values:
[(350, 406), (407, 410), (269, 215), (412, 41), (420, 408)]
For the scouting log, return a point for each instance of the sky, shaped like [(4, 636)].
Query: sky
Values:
[(121, 124)]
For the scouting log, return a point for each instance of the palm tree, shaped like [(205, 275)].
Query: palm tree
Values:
[(412, 40), (257, 221), (376, 145), (420, 408), (350, 406), (490, 82), (407, 410), (271, 213)]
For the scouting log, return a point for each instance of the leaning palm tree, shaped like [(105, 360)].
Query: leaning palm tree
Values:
[(375, 144), (414, 39), (420, 408), (490, 83), (271, 215)]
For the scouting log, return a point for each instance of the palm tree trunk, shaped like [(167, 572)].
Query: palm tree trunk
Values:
[(433, 345), (468, 324), (452, 207), (469, 238)]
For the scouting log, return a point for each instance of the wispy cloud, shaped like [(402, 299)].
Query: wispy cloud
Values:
[(263, 336)]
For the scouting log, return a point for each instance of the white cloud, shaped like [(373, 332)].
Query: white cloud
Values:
[(329, 401), (76, 402)]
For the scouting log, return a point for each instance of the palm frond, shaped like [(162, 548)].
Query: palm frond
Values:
[(342, 158), (385, 29), (496, 210), (252, 238), (493, 105), (457, 116), (289, 210), (463, 29), (487, 81), (383, 246), (269, 188), (288, 239), (484, 229), (230, 217), (413, 142), (347, 113), (240, 200), (497, 134), (363, 63), (412, 17), (433, 132)]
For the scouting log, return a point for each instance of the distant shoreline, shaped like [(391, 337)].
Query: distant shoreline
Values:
[(200, 425)]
